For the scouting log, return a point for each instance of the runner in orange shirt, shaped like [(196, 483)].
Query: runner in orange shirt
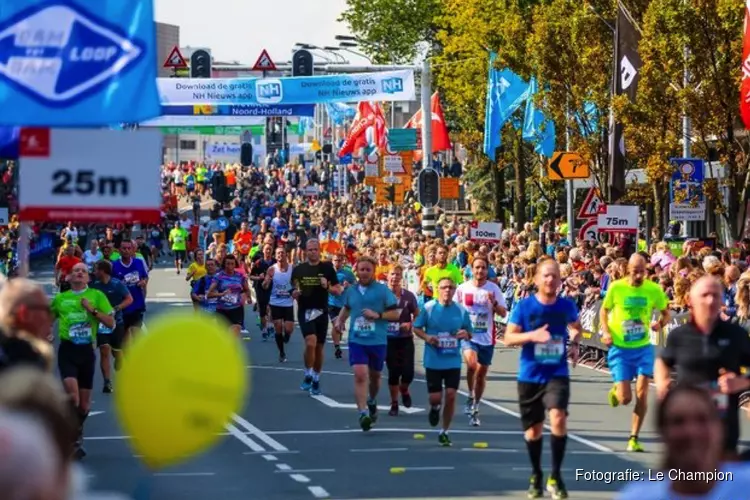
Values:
[(243, 240)]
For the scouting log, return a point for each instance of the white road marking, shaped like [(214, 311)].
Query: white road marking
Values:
[(300, 478), (169, 300), (92, 413), (501, 409), (376, 450), (388, 429), (306, 471), (318, 492), (270, 458), (284, 467), (244, 439), (331, 403), (183, 474), (491, 450), (259, 434), (166, 294), (266, 453)]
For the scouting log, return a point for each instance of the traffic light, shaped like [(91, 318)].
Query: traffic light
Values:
[(429, 187), (200, 64), (302, 63)]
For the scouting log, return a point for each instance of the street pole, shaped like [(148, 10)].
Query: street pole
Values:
[(689, 229), (428, 214), (569, 187)]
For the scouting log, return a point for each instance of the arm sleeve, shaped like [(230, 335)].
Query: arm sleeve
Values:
[(421, 320), (609, 300), (390, 301)]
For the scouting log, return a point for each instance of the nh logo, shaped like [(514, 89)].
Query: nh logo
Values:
[(393, 85), (269, 91)]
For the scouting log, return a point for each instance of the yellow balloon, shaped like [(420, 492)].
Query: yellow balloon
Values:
[(179, 385)]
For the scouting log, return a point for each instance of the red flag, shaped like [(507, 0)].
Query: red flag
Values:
[(745, 85), (381, 129), (440, 139), (364, 119)]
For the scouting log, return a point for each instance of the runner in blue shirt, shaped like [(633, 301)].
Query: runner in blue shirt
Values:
[(335, 302), (231, 288), (201, 287), (540, 324), (369, 305), (442, 323), (133, 273)]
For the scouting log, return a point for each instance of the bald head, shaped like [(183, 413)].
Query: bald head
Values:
[(705, 299), (706, 284), (636, 269)]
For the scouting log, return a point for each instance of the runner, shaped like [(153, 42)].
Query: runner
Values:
[(400, 352), (442, 269), (483, 300), (231, 289), (92, 255), (199, 294), (195, 271), (260, 265), (369, 306), (442, 324), (279, 281), (178, 238), (132, 272), (345, 277), (624, 321), (79, 312), (109, 340), (540, 324), (313, 281), (64, 266)]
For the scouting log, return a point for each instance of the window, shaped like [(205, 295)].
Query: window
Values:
[(188, 145)]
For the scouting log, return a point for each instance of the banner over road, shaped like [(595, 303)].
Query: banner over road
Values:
[(382, 86)]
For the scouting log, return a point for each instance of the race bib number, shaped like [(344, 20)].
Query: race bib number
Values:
[(179, 239), (549, 353), (480, 322), (105, 330), (283, 292), (363, 327), (231, 300), (312, 314), (447, 343), (132, 278), (80, 333), (394, 327), (633, 330)]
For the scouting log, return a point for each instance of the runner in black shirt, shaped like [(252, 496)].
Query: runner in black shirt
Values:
[(708, 352), (261, 262), (313, 280)]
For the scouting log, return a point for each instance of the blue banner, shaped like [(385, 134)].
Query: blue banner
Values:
[(77, 62), (382, 86), (687, 201), (9, 137), (239, 110), (506, 91)]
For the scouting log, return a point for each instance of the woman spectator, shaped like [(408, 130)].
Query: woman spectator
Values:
[(663, 256)]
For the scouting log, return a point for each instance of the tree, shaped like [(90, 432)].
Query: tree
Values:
[(392, 31)]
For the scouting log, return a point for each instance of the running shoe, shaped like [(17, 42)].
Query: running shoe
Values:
[(557, 489), (315, 388), (306, 384), (406, 399), (434, 416), (612, 397), (535, 487), (337, 352), (393, 412), (372, 407), (634, 445), (365, 422), (282, 358), (444, 440), (107, 389), (474, 419), (469, 407)]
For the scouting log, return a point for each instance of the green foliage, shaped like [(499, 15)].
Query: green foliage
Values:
[(391, 31)]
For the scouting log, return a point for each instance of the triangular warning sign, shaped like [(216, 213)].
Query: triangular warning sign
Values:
[(175, 59), (264, 62), (593, 205)]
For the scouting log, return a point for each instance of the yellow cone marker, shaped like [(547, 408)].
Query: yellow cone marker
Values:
[(418, 436), (398, 470), (480, 445)]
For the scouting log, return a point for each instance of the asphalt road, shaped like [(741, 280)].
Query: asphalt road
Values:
[(286, 444)]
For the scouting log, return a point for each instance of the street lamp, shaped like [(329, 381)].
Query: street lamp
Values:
[(346, 38), (345, 47), (338, 57)]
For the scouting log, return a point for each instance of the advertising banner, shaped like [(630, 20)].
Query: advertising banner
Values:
[(239, 110), (381, 86), (204, 121), (222, 151)]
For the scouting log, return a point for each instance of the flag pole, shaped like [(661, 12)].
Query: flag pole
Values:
[(428, 214)]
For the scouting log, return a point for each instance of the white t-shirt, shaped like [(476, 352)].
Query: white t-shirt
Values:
[(90, 259), (281, 287), (477, 302), (735, 486)]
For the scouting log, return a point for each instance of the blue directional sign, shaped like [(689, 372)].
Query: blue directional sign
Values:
[(76, 62), (223, 223)]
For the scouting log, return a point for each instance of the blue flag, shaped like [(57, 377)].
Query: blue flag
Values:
[(74, 63), (536, 127), (506, 91), (305, 123), (588, 120), (340, 112)]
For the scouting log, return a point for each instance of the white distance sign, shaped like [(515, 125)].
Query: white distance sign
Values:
[(89, 175), (619, 219), (488, 232)]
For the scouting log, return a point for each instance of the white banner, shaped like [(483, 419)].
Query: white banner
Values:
[(381, 86), (204, 121), (222, 151), (488, 232), (619, 219)]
